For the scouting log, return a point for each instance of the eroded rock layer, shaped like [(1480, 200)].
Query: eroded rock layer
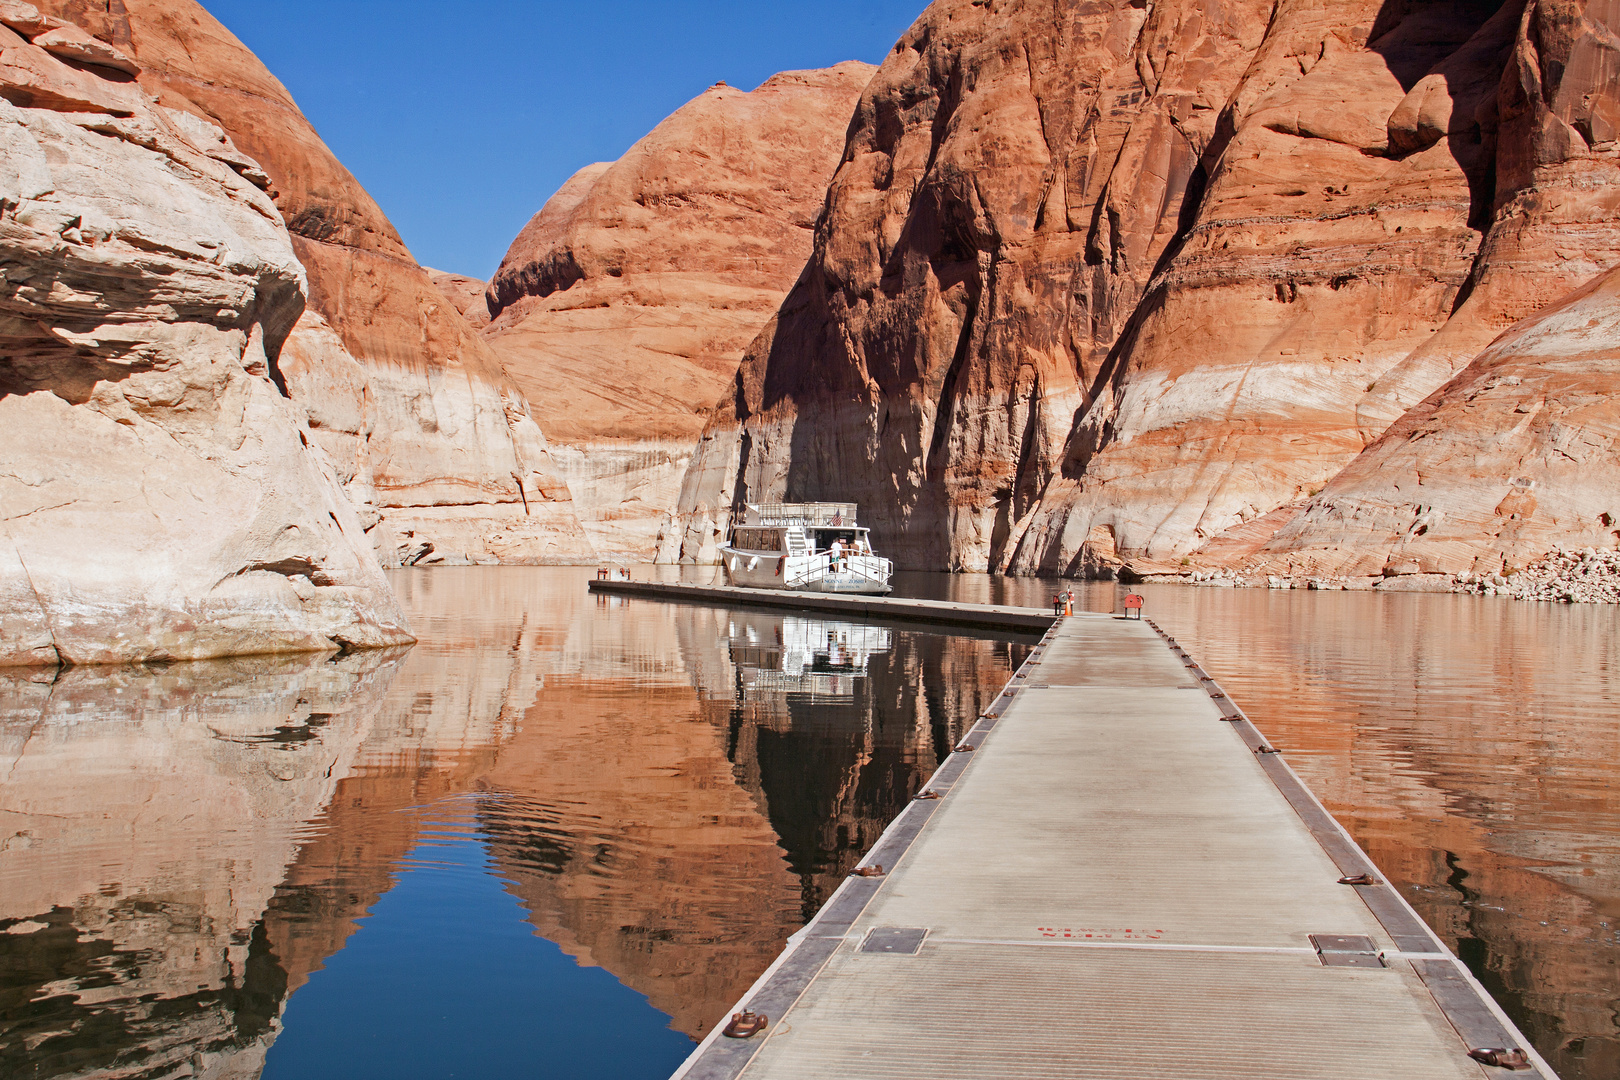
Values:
[(453, 458), (1517, 454), (623, 307), (159, 497), (1108, 283)]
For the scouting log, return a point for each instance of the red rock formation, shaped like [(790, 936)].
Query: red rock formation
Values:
[(159, 498), (1518, 453), (466, 293), (453, 456), (623, 307), (1099, 283), (1162, 484), (1320, 258), (1011, 178)]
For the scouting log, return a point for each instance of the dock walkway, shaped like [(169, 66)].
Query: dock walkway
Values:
[(1118, 882), (852, 606)]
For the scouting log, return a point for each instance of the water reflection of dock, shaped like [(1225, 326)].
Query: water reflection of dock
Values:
[(1120, 878)]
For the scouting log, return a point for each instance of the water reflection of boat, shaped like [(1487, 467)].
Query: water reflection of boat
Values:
[(818, 658)]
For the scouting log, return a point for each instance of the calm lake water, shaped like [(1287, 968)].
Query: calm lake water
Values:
[(562, 834)]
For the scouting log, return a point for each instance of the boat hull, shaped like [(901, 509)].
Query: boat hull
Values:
[(753, 570)]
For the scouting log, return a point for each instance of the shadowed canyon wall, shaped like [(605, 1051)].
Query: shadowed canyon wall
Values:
[(623, 307), (159, 497), (433, 444), (1099, 283)]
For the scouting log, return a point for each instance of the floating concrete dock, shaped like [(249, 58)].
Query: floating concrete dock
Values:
[(1119, 880), (878, 608)]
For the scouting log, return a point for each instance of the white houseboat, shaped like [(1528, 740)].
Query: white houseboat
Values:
[(812, 547)]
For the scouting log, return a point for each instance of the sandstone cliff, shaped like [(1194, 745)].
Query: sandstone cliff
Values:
[(450, 458), (159, 497), (465, 293), (623, 307), (1518, 453), (1180, 450), (1107, 282)]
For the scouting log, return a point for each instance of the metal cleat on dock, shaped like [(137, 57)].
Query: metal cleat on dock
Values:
[(1513, 1060), (745, 1025)]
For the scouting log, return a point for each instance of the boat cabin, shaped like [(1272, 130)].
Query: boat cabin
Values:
[(815, 547), (800, 529)]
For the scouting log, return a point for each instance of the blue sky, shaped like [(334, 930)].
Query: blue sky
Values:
[(461, 118)]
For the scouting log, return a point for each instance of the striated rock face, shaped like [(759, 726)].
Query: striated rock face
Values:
[(623, 307), (1517, 454), (1386, 295), (1100, 283), (1320, 257), (453, 458), (1539, 81), (159, 496), (1011, 179)]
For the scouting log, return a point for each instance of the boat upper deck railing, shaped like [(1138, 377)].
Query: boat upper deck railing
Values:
[(809, 515)]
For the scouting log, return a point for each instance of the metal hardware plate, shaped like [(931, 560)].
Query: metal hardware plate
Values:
[(1346, 950), (896, 940)]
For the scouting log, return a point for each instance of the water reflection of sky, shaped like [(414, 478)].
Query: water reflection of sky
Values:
[(446, 978)]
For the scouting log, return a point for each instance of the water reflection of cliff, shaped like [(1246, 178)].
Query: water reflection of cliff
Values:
[(181, 849), (1469, 745), (145, 820), (672, 756), (834, 726), (669, 791)]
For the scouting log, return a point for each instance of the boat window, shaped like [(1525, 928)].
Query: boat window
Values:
[(825, 537), (757, 539)]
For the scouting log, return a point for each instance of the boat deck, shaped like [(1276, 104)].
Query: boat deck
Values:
[(1115, 884)]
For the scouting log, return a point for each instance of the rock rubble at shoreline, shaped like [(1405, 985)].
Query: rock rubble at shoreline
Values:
[(1587, 576), (1571, 576)]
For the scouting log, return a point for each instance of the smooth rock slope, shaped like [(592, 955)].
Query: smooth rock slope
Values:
[(623, 307), (159, 497)]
